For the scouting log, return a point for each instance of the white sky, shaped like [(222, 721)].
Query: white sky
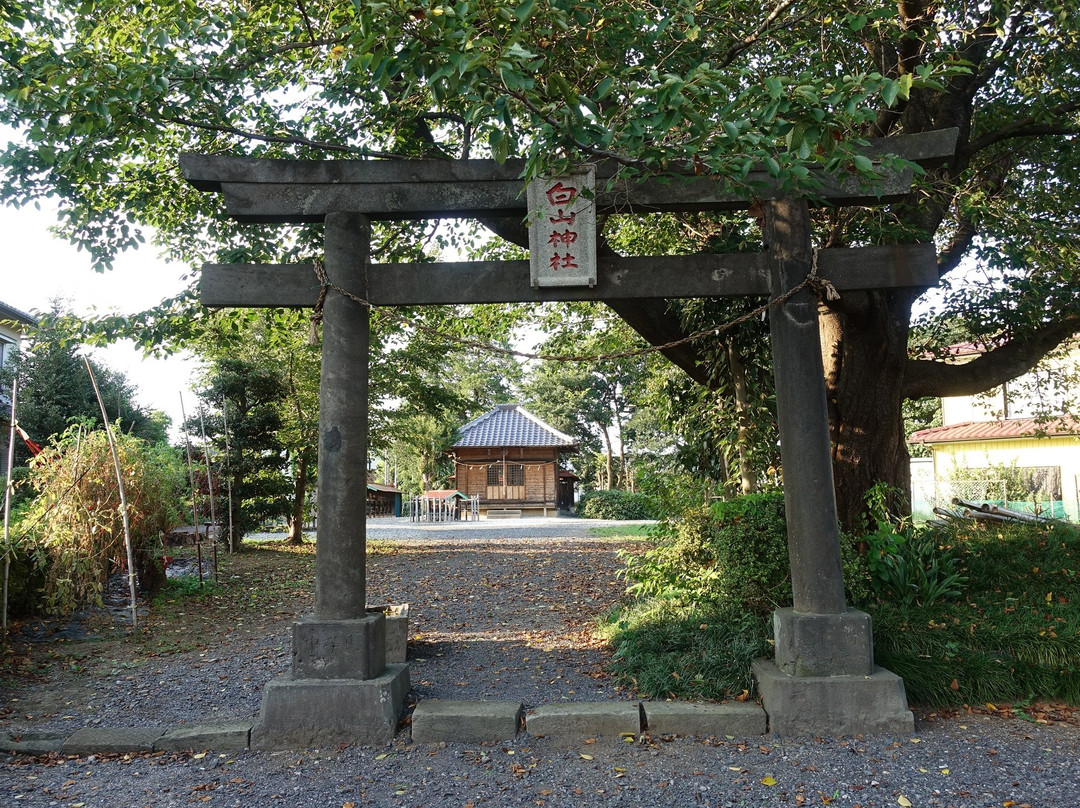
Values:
[(37, 267)]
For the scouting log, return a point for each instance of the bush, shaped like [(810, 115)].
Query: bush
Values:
[(666, 651), (734, 554), (74, 528), (907, 565), (616, 505), (703, 598)]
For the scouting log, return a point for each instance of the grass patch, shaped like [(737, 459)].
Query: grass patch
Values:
[(1013, 635), (668, 651), (623, 532)]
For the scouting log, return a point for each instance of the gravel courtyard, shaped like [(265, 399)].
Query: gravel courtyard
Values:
[(498, 610)]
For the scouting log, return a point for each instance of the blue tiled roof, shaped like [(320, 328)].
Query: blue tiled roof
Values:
[(510, 425)]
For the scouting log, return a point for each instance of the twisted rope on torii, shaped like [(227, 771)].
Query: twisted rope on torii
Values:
[(813, 280)]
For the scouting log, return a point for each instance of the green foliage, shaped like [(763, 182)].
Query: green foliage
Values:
[(74, 528), (907, 565), (733, 555), (914, 569), (992, 615), (1015, 635), (615, 504), (186, 587), (256, 458), (595, 401)]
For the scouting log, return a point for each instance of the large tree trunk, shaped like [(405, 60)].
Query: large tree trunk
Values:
[(864, 349)]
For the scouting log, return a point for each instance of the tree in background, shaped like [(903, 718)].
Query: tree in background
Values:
[(256, 456), (593, 401), (102, 100), (55, 390), (424, 390)]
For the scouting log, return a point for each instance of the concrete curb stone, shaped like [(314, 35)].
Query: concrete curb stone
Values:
[(740, 719), (226, 737), (465, 721), (32, 743), (585, 719), (106, 740)]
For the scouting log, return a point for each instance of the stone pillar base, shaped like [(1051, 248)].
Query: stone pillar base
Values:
[(339, 649), (833, 705), (824, 644), (298, 713)]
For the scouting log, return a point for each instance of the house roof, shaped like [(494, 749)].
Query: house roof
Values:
[(445, 494), (11, 313), (510, 425), (1007, 429), (386, 489)]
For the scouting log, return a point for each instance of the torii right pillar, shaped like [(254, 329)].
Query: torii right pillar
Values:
[(823, 680)]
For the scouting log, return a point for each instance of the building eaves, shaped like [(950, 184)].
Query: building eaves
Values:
[(1005, 429), (11, 313)]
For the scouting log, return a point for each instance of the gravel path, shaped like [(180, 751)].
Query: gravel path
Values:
[(503, 610)]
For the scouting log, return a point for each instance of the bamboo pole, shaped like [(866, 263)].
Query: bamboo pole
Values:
[(210, 488), (123, 496), (8, 487), (228, 467), (194, 495)]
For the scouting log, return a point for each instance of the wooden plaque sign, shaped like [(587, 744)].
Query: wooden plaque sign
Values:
[(562, 229)]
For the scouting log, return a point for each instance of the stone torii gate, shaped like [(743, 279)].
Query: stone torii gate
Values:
[(823, 678)]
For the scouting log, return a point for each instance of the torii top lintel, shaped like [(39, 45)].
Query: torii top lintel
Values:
[(305, 191)]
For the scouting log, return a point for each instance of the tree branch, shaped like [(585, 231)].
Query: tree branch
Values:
[(291, 46), (750, 39), (1027, 127), (294, 140), (925, 377), (621, 159), (307, 21)]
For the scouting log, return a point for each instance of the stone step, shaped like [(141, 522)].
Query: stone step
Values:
[(197, 737), (105, 740)]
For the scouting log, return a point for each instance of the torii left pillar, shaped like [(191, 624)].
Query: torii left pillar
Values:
[(340, 689)]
